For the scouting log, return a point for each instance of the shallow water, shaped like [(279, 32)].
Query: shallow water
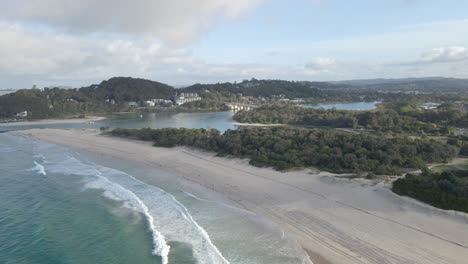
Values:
[(347, 106), (60, 206), (218, 120)]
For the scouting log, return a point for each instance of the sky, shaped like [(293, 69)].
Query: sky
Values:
[(180, 42)]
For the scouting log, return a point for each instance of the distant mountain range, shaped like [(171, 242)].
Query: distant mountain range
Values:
[(419, 84)]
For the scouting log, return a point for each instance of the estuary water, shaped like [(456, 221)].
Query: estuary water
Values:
[(218, 120), (357, 106), (61, 206)]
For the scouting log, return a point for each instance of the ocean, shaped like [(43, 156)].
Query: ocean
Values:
[(61, 206)]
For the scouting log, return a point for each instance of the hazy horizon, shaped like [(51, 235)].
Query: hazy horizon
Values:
[(186, 85)]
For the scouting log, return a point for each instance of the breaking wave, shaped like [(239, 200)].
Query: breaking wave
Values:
[(167, 218), (117, 192), (38, 168)]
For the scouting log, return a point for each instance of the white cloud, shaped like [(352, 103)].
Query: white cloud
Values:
[(399, 43), (445, 54), (25, 52), (30, 57), (52, 58), (36, 55), (322, 64), (178, 21)]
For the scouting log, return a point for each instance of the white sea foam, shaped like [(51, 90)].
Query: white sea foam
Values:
[(166, 216), (204, 249), (201, 230), (194, 196), (39, 156), (219, 203), (117, 192), (38, 168)]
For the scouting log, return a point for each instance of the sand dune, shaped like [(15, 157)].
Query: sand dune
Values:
[(335, 220)]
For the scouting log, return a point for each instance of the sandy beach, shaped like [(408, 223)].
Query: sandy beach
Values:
[(55, 121), (335, 220), (257, 124)]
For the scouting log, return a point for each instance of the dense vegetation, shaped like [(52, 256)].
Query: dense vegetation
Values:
[(285, 148), (31, 100), (381, 120), (446, 190), (451, 112), (56, 102), (424, 85), (128, 90), (273, 88)]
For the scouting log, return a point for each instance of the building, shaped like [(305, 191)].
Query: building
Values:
[(22, 114), (430, 106), (186, 97), (149, 103), (133, 104), (240, 106), (110, 101)]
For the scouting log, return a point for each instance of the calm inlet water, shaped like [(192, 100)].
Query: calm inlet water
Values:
[(347, 106), (60, 206), (219, 120)]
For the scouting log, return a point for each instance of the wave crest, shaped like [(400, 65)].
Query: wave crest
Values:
[(38, 168)]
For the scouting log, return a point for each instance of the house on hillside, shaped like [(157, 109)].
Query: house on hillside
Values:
[(132, 104), (110, 101), (240, 106), (430, 106), (162, 102), (183, 98), (22, 114), (149, 103)]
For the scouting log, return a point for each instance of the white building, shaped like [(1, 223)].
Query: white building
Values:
[(430, 106), (186, 97), (149, 104), (22, 114), (110, 101), (240, 106)]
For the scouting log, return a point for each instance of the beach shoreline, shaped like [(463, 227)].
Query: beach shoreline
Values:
[(257, 124), (88, 119), (335, 221)]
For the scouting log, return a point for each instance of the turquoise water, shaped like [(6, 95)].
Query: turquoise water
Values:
[(48, 218), (219, 120), (347, 106), (60, 206)]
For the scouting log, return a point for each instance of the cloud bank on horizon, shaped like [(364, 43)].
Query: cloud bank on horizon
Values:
[(76, 42)]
